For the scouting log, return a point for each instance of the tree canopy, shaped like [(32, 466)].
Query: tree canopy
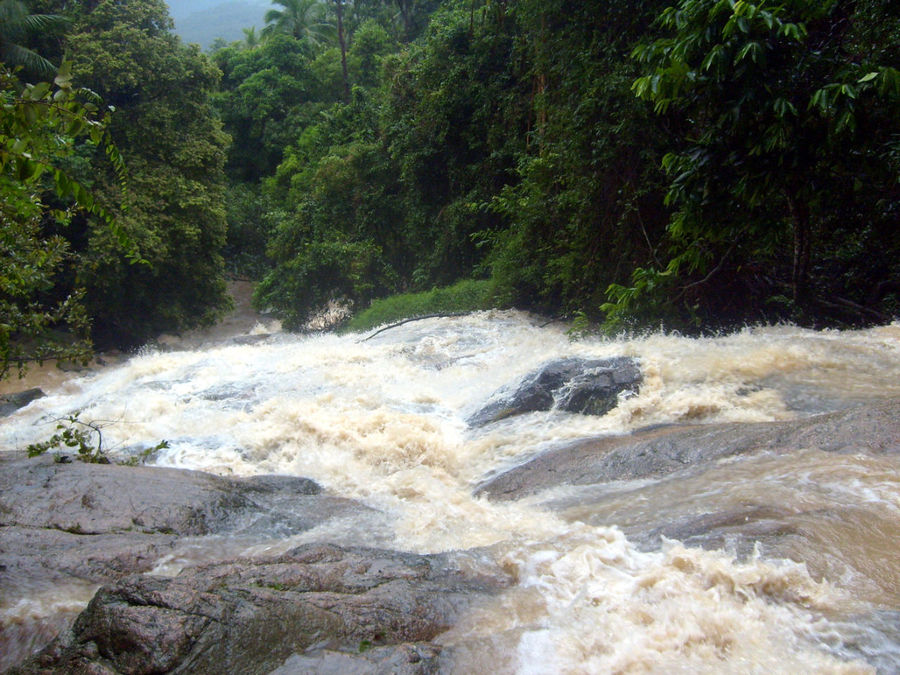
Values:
[(40, 125), (74, 224), (175, 150), (789, 126), (514, 141)]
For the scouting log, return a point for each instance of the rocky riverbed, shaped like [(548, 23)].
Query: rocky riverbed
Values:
[(469, 494), (109, 525)]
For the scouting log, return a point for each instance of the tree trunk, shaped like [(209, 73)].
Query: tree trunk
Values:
[(406, 16), (540, 84), (800, 269), (339, 7)]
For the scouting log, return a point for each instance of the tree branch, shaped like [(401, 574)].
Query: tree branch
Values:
[(414, 318)]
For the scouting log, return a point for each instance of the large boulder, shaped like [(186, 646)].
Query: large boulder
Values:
[(586, 386), (74, 525), (102, 498), (348, 610), (93, 499)]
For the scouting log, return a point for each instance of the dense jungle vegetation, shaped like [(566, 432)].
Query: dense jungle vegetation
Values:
[(695, 163)]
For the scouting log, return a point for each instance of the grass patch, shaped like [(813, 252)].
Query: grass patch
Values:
[(464, 296)]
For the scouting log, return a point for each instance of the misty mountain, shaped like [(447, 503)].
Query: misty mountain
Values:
[(202, 21)]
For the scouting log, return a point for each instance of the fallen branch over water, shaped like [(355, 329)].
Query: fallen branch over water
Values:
[(439, 315)]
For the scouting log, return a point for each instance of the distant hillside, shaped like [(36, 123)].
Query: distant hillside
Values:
[(202, 21)]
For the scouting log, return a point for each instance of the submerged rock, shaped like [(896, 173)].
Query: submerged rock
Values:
[(662, 451), (253, 339), (589, 387), (9, 403), (315, 606)]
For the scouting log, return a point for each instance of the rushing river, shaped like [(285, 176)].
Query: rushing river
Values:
[(383, 421)]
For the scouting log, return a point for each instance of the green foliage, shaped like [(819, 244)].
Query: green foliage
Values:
[(39, 126), (514, 140), (174, 210), (75, 434), (248, 231), (302, 19), (320, 272), (340, 194), (785, 116), (266, 97), (86, 439), (464, 296), (371, 44), (16, 26), (454, 122), (586, 206)]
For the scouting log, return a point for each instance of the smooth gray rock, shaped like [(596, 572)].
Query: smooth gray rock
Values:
[(589, 387), (666, 450), (82, 523), (102, 498), (405, 659), (255, 615)]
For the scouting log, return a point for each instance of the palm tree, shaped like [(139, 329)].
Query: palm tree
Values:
[(15, 26), (251, 38), (304, 19)]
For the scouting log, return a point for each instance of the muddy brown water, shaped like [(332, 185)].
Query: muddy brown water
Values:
[(768, 563)]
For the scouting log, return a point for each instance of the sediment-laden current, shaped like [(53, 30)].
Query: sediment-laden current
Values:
[(815, 587)]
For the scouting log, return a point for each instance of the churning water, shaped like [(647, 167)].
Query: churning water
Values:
[(383, 421)]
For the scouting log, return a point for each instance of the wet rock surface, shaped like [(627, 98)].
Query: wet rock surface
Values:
[(95, 499), (676, 449), (322, 608), (317, 608), (102, 498), (406, 659), (771, 490), (586, 386), (95, 523)]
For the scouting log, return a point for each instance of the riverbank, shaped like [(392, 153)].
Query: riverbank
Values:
[(242, 319)]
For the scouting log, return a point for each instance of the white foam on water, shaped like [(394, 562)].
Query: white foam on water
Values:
[(588, 602)]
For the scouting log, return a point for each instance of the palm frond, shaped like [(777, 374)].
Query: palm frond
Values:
[(17, 55)]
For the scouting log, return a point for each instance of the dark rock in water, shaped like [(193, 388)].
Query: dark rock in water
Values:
[(254, 616), (9, 403), (250, 339), (280, 486), (663, 451), (590, 387), (739, 529)]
